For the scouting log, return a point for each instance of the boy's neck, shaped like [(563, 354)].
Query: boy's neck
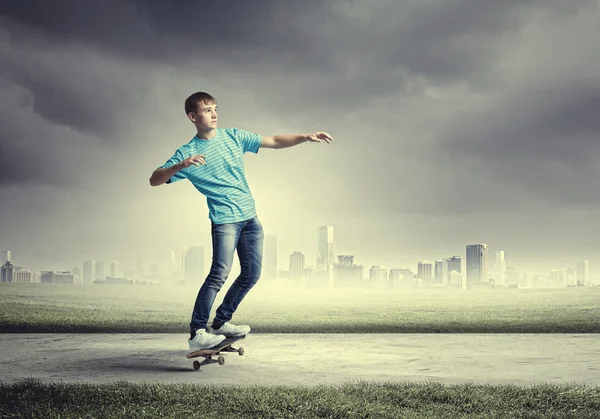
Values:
[(206, 135)]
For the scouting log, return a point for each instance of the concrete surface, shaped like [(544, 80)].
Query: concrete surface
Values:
[(306, 359)]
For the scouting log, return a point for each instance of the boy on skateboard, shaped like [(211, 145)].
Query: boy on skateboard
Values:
[(213, 162)]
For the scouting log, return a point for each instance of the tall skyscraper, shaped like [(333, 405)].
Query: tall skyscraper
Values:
[(115, 269), (401, 278), (7, 272), (378, 277), (446, 272), (425, 273), (440, 276), (477, 265), (562, 276), (455, 280), (326, 252), (89, 272), (297, 263), (454, 264), (583, 272), (270, 257), (347, 273), (6, 257), (100, 270), (194, 271), (325, 249)]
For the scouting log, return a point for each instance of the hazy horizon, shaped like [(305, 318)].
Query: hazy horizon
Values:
[(454, 123)]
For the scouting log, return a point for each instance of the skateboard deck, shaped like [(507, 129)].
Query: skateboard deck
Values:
[(224, 346)]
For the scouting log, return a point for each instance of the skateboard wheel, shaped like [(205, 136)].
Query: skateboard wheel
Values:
[(241, 351), (196, 365), (221, 360)]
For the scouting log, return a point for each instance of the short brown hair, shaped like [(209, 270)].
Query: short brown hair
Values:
[(191, 103)]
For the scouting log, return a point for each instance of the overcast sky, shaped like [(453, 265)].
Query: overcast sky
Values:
[(454, 122)]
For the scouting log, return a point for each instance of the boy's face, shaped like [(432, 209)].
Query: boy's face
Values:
[(205, 117)]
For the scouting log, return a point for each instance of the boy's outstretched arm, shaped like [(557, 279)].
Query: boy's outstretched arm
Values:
[(285, 141)]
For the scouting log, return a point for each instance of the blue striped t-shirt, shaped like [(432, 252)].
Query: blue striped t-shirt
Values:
[(222, 179)]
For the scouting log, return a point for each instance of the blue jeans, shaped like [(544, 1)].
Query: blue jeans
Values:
[(245, 236)]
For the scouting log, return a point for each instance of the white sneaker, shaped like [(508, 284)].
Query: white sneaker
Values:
[(204, 340), (230, 330)]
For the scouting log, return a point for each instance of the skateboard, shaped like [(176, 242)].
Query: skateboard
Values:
[(224, 346)]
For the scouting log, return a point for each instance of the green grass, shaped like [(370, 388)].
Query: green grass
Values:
[(60, 308), (52, 308), (33, 399)]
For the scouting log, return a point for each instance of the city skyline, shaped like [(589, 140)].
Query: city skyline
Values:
[(325, 240), (475, 268)]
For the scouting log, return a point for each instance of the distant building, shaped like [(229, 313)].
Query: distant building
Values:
[(583, 272), (348, 274), (477, 266), (455, 280), (115, 269), (23, 276), (454, 264), (194, 271), (425, 271), (99, 270), (378, 277), (297, 262), (401, 279), (6, 257), (89, 271), (326, 253), (7, 272), (56, 277)]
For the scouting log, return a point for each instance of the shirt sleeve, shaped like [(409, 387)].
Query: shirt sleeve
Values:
[(176, 158), (249, 140)]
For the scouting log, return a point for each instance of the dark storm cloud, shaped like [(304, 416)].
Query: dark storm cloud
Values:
[(543, 142), (159, 29), (555, 123), (458, 39), (69, 84), (328, 53), (31, 150), (441, 39), (82, 102), (22, 165), (34, 150)]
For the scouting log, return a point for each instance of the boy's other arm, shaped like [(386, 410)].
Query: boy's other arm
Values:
[(286, 141), (162, 174)]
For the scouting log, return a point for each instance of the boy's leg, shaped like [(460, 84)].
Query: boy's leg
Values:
[(250, 252), (224, 241)]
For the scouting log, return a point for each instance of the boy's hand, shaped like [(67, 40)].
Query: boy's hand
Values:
[(317, 137), (196, 160)]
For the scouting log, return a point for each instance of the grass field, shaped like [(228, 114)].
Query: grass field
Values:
[(54, 308), (33, 399), (68, 308)]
